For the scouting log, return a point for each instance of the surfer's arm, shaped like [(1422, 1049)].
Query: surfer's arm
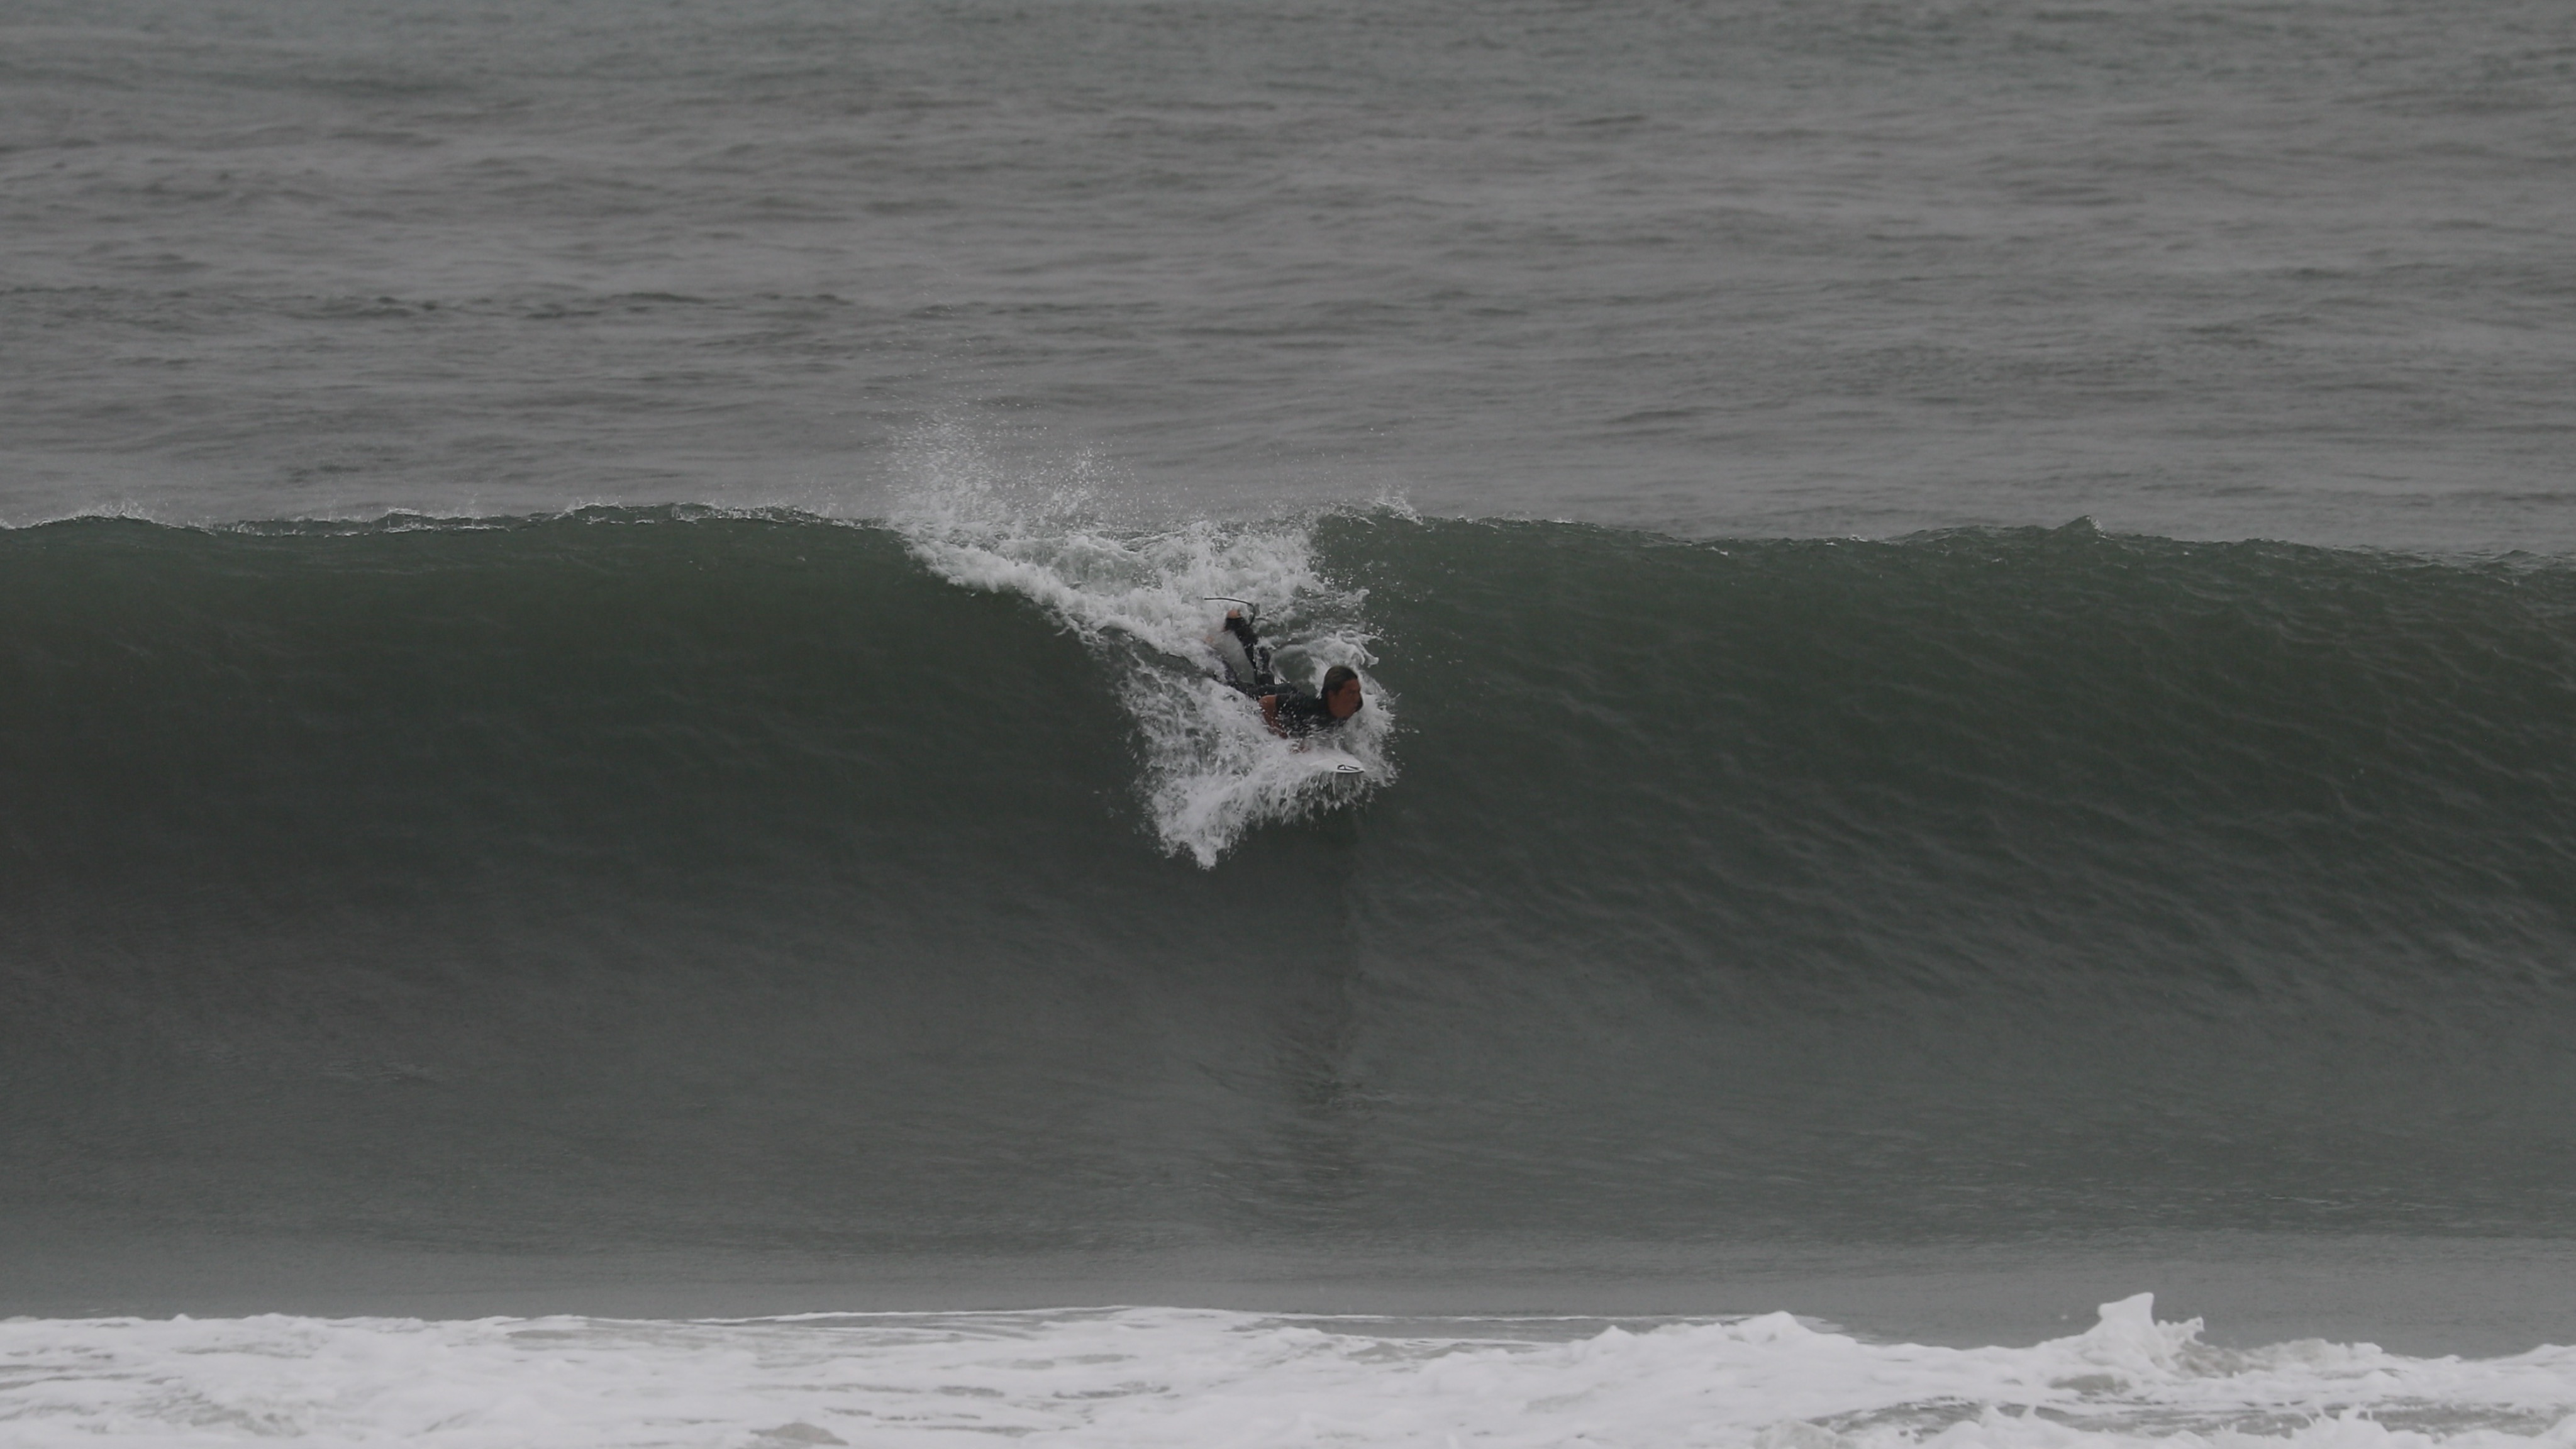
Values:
[(1270, 715)]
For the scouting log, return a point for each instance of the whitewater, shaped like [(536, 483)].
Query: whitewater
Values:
[(1194, 1378), (1152, 598)]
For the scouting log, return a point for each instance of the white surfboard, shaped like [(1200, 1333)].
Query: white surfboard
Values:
[(1325, 760)]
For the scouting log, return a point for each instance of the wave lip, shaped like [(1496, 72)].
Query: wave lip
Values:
[(1190, 1377)]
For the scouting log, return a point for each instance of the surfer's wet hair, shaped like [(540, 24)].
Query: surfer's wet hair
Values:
[(1336, 677)]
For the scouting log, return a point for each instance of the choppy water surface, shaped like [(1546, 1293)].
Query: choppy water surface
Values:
[(2200, 269)]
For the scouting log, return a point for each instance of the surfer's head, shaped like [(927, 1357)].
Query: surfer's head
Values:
[(1342, 697)]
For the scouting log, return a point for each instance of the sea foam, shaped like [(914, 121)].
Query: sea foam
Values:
[(1140, 1377)]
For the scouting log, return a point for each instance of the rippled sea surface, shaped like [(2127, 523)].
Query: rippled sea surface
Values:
[(2301, 270)]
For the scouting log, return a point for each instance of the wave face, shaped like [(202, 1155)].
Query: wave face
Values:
[(658, 877)]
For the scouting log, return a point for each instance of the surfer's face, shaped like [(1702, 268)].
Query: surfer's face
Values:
[(1345, 701)]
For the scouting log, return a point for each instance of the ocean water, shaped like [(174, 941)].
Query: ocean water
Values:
[(2189, 267), (616, 826)]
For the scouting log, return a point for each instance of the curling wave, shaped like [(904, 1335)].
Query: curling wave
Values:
[(512, 877)]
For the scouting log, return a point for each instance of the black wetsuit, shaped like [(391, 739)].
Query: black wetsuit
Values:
[(1303, 714)]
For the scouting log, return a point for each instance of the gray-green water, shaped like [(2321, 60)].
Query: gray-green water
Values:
[(2196, 269)]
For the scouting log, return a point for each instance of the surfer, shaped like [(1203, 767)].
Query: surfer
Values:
[(1288, 713)]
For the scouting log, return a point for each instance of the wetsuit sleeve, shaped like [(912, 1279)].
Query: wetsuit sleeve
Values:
[(1241, 629)]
